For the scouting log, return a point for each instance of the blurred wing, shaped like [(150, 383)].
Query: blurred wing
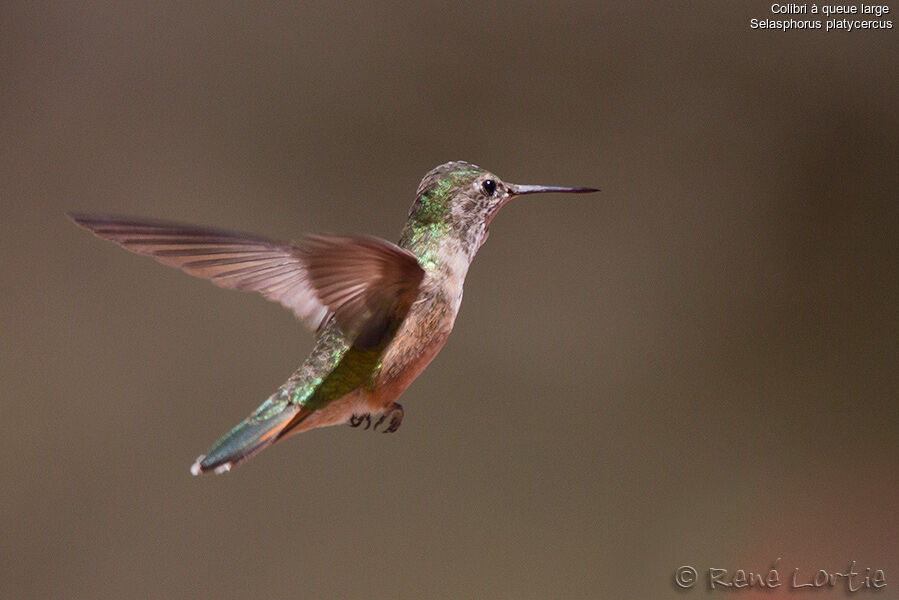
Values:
[(368, 283), (230, 260)]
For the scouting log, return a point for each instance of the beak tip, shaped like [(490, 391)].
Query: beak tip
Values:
[(520, 190)]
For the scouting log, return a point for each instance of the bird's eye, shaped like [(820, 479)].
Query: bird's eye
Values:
[(489, 186)]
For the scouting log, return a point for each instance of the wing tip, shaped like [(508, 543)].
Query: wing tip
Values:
[(93, 221), (78, 218)]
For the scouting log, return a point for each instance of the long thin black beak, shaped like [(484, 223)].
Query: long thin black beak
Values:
[(520, 190)]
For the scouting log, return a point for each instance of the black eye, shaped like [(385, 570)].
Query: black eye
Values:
[(489, 186)]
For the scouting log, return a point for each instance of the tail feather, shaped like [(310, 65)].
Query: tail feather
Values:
[(254, 433)]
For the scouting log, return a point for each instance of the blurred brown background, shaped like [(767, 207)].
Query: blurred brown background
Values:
[(697, 366)]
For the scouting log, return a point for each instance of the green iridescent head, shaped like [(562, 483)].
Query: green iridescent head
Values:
[(464, 196)]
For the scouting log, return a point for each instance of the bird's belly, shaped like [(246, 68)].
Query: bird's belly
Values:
[(400, 367), (336, 412), (399, 370), (418, 340)]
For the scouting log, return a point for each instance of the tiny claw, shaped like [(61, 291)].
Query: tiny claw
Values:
[(396, 418), (378, 423), (367, 418)]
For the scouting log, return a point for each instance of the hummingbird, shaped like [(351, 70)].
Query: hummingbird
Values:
[(380, 311)]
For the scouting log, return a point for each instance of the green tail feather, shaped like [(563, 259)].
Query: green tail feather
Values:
[(256, 432)]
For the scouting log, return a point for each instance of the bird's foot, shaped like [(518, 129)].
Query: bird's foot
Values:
[(357, 420), (393, 416)]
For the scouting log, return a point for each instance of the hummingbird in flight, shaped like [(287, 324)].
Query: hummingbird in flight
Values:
[(380, 311)]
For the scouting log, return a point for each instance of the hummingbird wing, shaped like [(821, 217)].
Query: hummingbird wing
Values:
[(368, 283), (228, 259)]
